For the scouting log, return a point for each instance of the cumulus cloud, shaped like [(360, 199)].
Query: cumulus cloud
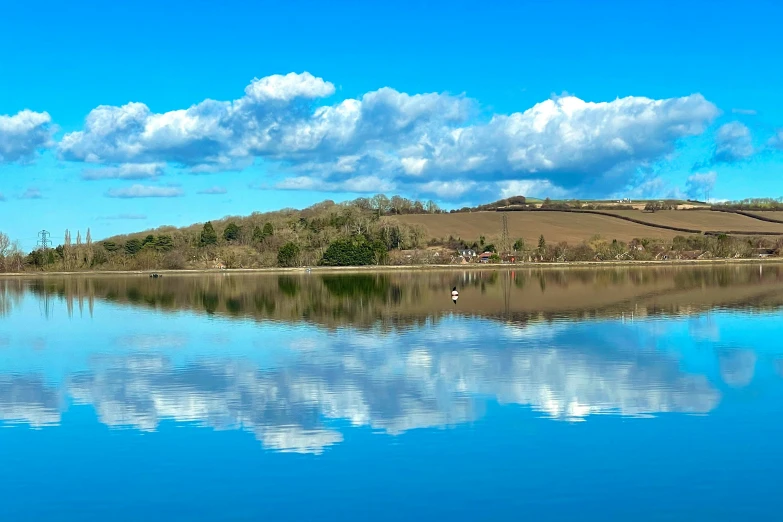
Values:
[(24, 134), (360, 184), (131, 171), (145, 191), (399, 140), (531, 187), (700, 185), (213, 191), (732, 143)]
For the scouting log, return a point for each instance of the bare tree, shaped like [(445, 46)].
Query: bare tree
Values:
[(5, 245), (380, 203)]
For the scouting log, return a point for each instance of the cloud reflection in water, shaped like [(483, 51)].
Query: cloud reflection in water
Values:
[(431, 377)]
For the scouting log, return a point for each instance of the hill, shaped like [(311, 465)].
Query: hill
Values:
[(396, 230), (575, 226)]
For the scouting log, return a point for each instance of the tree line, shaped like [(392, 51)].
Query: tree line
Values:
[(352, 233), (358, 232)]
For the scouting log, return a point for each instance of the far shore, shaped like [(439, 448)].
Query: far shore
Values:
[(410, 268)]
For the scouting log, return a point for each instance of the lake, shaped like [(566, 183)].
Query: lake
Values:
[(603, 394)]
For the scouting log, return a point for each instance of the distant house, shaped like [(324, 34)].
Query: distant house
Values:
[(467, 253), (484, 257), (765, 252)]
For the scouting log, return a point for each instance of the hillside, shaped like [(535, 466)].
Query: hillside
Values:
[(382, 230), (554, 226), (573, 227), (704, 220)]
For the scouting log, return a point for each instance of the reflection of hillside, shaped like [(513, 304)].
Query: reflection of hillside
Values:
[(28, 400), (433, 377), (404, 298)]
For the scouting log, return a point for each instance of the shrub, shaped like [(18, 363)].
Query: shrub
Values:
[(288, 255), (354, 252)]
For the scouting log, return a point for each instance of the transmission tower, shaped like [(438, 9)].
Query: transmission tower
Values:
[(43, 240), (504, 234)]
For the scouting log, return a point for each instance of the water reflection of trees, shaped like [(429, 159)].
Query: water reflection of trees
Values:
[(412, 298), (10, 295)]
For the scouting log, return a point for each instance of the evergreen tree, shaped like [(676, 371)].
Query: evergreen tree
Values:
[(90, 254), (288, 255), (231, 233), (164, 243), (541, 244), (268, 229), (132, 246), (208, 235)]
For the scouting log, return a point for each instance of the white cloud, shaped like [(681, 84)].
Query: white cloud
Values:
[(361, 184), (145, 191), (125, 171), (448, 190), (404, 141), (700, 185), (732, 143), (24, 134), (288, 87), (746, 112), (532, 188)]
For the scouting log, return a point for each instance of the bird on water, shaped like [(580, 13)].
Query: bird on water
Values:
[(454, 295)]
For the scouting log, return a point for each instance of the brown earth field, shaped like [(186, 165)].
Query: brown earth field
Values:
[(573, 227), (704, 220), (768, 214)]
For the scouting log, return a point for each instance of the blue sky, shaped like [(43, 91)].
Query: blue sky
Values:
[(289, 103)]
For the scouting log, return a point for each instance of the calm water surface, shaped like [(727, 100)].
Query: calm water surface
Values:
[(616, 394)]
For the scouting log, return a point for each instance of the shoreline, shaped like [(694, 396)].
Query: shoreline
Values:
[(411, 268)]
